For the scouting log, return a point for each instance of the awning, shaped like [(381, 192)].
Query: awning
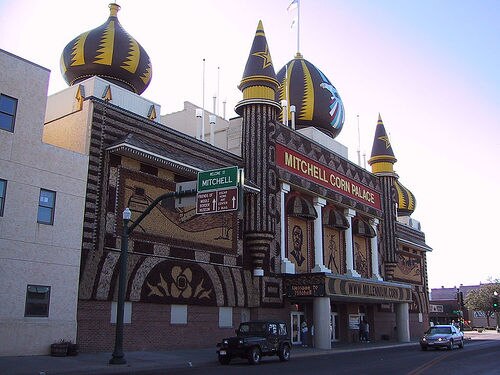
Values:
[(301, 207), (362, 228), (335, 219)]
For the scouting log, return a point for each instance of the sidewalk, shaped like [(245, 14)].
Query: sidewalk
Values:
[(139, 361)]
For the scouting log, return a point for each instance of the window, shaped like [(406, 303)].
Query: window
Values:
[(37, 301), (127, 312), (3, 188), (225, 316), (8, 108), (178, 314), (46, 206)]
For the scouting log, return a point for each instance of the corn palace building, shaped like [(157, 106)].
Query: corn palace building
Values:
[(315, 238)]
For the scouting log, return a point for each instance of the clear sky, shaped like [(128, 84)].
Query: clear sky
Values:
[(430, 68)]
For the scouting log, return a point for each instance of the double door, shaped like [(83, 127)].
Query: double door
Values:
[(334, 327)]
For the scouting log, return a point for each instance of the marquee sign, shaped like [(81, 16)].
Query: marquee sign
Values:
[(374, 291), (316, 172), (345, 288)]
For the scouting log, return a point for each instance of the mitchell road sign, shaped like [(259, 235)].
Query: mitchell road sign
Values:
[(217, 191), (218, 179)]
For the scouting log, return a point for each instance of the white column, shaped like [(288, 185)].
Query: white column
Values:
[(403, 322), (286, 265), (318, 236), (374, 246), (349, 248), (321, 322)]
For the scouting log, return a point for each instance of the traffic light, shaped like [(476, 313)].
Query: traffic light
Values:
[(494, 302)]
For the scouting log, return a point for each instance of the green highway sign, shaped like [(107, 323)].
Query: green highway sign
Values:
[(218, 179), (217, 190)]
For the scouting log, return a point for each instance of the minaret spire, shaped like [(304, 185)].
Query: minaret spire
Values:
[(259, 112), (259, 83), (382, 158), (382, 162)]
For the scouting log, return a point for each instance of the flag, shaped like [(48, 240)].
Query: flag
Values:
[(293, 9), (293, 5)]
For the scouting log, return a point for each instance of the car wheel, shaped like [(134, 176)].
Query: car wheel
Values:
[(423, 348), (450, 345), (284, 353), (461, 344), (254, 356), (224, 359)]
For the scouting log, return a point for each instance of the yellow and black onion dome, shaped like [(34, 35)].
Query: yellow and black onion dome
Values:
[(109, 52), (406, 200), (317, 102)]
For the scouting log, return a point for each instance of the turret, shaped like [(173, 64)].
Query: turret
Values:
[(259, 111)]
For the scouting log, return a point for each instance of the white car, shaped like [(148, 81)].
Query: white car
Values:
[(442, 336)]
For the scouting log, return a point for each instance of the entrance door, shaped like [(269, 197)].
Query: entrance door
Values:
[(296, 319), (334, 326)]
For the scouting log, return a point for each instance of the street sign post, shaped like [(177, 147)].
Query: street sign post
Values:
[(185, 201), (217, 190)]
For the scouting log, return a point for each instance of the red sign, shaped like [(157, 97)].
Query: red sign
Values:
[(312, 170)]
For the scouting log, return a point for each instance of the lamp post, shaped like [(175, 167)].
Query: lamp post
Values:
[(495, 299), (118, 356)]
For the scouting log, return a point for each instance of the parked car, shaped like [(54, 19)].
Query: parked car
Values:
[(256, 339), (442, 336)]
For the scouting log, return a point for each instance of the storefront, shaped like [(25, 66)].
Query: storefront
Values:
[(333, 305)]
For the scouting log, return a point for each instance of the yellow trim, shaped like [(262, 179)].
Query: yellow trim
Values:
[(261, 92), (307, 110), (78, 50), (382, 167), (259, 78), (106, 45), (134, 54)]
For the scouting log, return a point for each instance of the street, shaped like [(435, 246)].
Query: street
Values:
[(480, 356)]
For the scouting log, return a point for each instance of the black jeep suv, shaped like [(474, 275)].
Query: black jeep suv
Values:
[(254, 340)]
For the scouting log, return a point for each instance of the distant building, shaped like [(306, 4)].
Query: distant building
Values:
[(445, 307)]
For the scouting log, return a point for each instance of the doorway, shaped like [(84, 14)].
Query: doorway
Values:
[(334, 327), (296, 319)]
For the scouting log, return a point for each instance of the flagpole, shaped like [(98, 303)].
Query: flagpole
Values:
[(298, 26)]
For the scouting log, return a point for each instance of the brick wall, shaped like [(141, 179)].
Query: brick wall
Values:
[(151, 329)]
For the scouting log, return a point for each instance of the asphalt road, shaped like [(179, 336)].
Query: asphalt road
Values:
[(479, 357)]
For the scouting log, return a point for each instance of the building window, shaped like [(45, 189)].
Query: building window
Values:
[(46, 207), (225, 317), (8, 108), (178, 314), (127, 312), (37, 301), (3, 189)]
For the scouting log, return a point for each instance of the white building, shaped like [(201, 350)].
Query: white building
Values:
[(42, 195)]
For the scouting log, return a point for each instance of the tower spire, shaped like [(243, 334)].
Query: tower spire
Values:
[(382, 158), (259, 83)]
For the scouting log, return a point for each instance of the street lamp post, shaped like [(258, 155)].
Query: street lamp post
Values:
[(495, 296), (118, 357)]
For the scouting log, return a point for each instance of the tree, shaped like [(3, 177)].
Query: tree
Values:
[(480, 299)]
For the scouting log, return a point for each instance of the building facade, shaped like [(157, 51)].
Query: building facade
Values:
[(447, 306), (315, 238), (42, 196)]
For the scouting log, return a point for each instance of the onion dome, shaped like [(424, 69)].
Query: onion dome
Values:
[(382, 159), (109, 52), (406, 200), (316, 100), (259, 83)]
